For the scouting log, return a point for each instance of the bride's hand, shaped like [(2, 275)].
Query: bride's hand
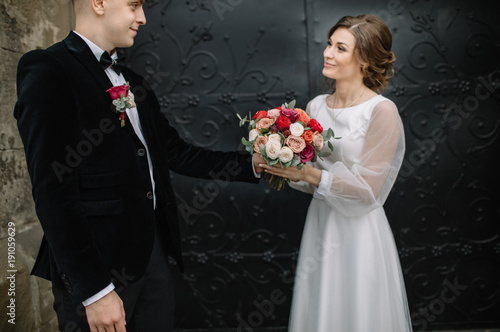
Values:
[(307, 173), (291, 173)]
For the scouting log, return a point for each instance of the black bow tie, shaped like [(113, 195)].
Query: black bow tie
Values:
[(107, 61)]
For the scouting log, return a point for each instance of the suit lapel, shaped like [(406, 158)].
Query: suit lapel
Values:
[(83, 53)]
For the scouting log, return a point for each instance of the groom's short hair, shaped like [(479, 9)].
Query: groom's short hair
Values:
[(77, 5)]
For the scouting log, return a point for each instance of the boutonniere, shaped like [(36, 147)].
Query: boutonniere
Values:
[(123, 98)]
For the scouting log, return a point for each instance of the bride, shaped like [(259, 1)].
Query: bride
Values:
[(348, 276)]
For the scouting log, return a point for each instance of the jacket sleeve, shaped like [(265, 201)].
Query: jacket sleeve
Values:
[(193, 161), (46, 117)]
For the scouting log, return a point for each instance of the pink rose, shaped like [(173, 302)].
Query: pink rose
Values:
[(258, 141), (295, 143), (273, 114), (318, 140), (291, 114), (264, 123), (306, 154)]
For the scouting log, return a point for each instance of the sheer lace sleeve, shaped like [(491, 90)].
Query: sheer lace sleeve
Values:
[(363, 186)]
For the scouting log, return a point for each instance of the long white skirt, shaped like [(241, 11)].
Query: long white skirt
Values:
[(348, 277)]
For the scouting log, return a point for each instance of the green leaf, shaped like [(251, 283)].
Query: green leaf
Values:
[(299, 166), (295, 161), (292, 104), (273, 162), (323, 154), (330, 145), (247, 143), (302, 123)]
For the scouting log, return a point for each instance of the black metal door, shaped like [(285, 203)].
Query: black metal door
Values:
[(210, 60)]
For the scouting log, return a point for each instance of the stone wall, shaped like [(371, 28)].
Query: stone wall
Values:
[(24, 25)]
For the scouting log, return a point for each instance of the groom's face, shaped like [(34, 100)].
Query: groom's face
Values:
[(122, 19)]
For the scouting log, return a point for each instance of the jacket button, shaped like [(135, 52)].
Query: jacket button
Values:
[(141, 152), (149, 195)]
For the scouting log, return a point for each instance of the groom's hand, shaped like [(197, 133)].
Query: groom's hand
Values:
[(106, 314)]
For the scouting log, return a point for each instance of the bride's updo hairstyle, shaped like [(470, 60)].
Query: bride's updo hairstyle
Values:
[(373, 48)]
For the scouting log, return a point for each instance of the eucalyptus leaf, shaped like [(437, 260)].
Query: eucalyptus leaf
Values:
[(323, 154), (299, 166), (295, 161), (292, 104), (273, 162), (330, 145), (262, 149)]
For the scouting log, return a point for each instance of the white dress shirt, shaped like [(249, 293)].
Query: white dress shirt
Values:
[(133, 119)]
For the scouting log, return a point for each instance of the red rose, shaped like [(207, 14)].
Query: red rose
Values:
[(262, 115), (278, 108), (306, 154), (117, 91), (283, 123), (315, 126)]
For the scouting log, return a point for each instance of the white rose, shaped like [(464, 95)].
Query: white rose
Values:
[(272, 149), (296, 129), (285, 155), (275, 138), (253, 134)]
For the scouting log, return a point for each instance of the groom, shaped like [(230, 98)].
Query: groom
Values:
[(100, 176)]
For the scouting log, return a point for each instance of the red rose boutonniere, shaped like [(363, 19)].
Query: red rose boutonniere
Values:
[(122, 99)]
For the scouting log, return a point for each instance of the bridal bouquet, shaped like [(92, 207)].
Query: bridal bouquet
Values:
[(285, 135)]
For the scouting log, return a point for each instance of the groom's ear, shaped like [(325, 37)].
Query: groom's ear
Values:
[(98, 6)]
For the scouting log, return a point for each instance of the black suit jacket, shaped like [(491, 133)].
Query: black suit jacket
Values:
[(90, 177)]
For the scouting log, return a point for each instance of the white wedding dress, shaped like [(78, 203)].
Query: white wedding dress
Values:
[(348, 276)]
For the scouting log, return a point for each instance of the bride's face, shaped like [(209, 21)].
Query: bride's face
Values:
[(340, 60)]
